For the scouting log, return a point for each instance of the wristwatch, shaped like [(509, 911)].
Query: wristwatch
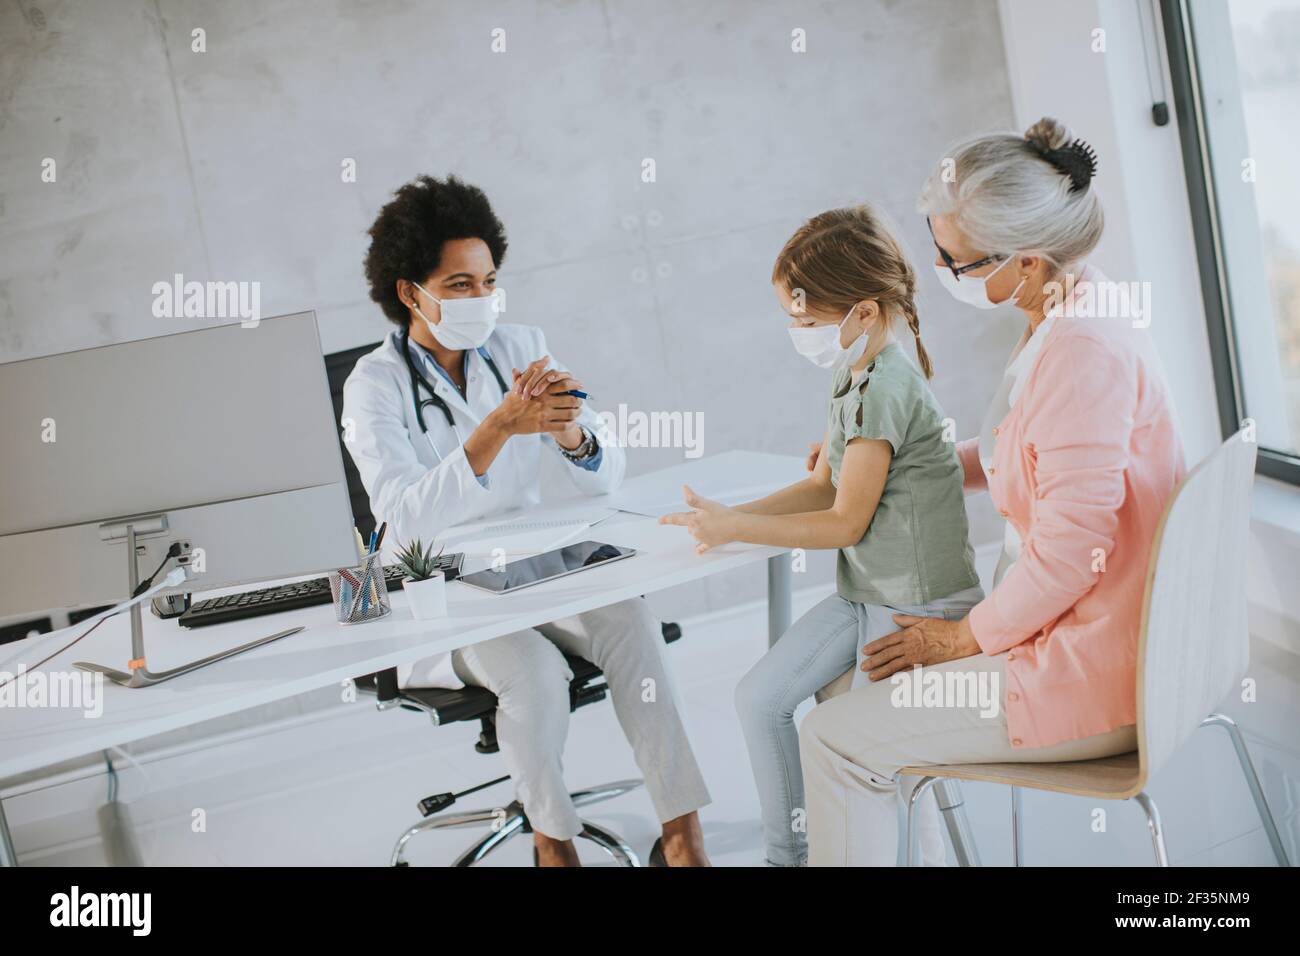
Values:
[(584, 451)]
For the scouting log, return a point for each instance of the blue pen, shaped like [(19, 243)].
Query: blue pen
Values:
[(374, 538), (575, 393)]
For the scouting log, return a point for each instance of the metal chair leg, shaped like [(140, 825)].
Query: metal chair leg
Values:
[(1017, 836), (922, 785), (514, 822), (1153, 823), (1252, 781), (947, 793), (610, 843), (492, 841), (471, 819), (605, 791)]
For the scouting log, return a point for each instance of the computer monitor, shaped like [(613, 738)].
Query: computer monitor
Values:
[(221, 438)]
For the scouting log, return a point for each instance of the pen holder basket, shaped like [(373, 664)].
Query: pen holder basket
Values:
[(360, 593)]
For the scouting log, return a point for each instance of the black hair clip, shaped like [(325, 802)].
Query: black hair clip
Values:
[(1077, 160)]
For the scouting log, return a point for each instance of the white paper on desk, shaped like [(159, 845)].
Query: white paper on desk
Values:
[(520, 536), (655, 502)]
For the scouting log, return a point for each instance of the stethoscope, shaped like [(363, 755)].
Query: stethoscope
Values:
[(418, 380)]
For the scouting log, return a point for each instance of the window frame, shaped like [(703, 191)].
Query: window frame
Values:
[(1203, 204)]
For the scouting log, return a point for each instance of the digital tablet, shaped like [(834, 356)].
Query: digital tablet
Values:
[(546, 566)]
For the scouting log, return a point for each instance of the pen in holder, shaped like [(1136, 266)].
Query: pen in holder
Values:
[(360, 593)]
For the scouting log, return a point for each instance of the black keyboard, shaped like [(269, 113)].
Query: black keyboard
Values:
[(289, 597)]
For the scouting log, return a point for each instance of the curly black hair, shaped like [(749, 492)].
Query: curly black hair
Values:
[(407, 237)]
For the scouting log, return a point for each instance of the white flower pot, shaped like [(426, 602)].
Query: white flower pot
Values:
[(428, 598)]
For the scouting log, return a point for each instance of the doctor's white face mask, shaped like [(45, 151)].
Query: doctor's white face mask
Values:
[(820, 344), (466, 323), (973, 290)]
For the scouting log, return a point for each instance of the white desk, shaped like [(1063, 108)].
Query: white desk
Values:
[(328, 653)]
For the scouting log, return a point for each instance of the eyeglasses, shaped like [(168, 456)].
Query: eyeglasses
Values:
[(951, 263)]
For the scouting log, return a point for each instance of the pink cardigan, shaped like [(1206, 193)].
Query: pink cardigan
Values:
[(1083, 466)]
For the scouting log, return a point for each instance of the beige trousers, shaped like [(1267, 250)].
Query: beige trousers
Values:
[(852, 746), (528, 673)]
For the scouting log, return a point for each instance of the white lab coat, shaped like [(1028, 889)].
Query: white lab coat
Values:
[(420, 494)]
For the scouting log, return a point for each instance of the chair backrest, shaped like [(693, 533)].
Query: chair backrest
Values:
[(1194, 645), (338, 366)]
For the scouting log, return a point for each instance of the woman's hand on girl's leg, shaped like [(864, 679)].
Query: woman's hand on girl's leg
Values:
[(922, 640)]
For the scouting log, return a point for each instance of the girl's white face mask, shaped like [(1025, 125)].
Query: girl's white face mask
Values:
[(466, 323), (820, 344), (973, 290)]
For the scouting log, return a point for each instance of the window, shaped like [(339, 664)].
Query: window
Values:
[(1236, 76)]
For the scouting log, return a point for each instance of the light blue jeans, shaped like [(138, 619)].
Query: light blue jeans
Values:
[(817, 648)]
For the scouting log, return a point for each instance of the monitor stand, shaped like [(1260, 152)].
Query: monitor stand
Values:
[(140, 675)]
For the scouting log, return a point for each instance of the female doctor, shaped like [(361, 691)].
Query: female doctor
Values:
[(447, 422)]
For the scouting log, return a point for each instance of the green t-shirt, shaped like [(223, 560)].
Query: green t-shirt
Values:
[(917, 547)]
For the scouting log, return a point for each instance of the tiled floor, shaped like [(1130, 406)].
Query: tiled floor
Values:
[(340, 790)]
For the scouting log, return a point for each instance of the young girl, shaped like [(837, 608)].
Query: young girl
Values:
[(886, 491)]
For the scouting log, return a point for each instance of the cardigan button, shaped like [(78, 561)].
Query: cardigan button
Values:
[(996, 429), (1016, 742), (1011, 656), (992, 470), (1013, 696), (1005, 513)]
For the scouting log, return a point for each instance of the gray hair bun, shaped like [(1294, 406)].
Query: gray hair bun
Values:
[(1072, 157)]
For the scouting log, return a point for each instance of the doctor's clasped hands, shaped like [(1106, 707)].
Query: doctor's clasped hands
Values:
[(537, 403)]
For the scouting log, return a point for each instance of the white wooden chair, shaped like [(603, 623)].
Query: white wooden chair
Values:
[(1192, 652)]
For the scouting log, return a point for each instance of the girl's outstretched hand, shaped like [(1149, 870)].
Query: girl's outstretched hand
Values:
[(710, 523)]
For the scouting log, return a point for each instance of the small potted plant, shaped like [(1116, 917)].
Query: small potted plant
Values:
[(424, 585)]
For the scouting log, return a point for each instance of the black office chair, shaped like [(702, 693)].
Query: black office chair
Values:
[(446, 706), (473, 703)]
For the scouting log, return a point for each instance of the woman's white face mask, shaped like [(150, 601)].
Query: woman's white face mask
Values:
[(466, 323), (820, 344), (973, 290)]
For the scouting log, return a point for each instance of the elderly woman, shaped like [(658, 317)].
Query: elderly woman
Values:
[(1080, 454)]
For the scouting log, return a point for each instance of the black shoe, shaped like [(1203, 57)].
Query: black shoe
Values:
[(657, 857)]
